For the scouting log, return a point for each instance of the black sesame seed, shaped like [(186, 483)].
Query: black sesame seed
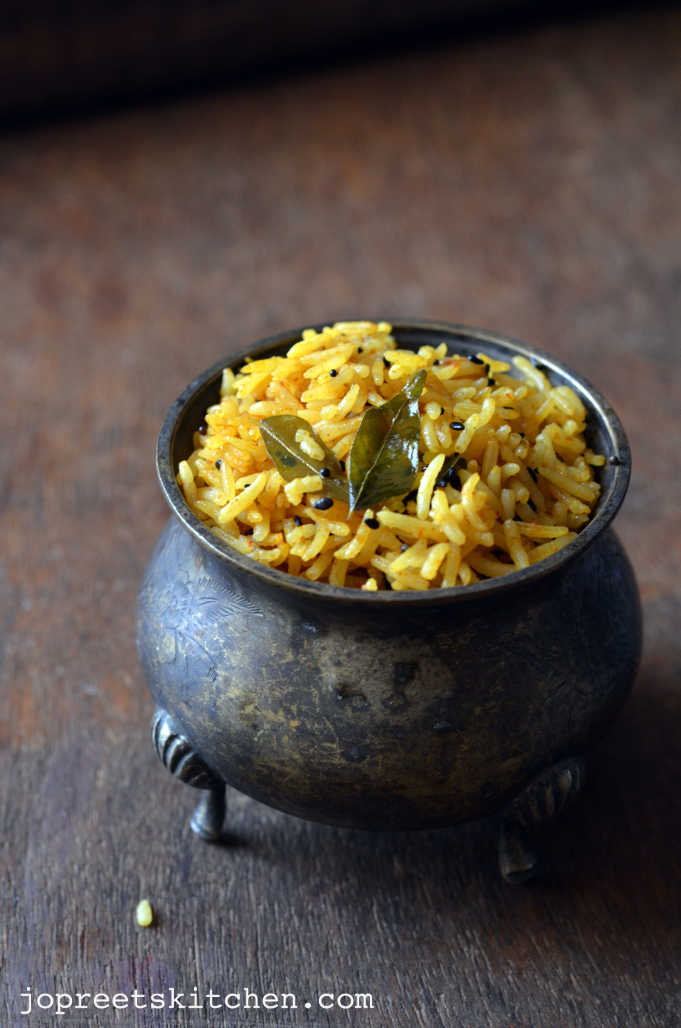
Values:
[(360, 350), (532, 505), (476, 360), (372, 522), (203, 429), (218, 464), (404, 546), (458, 426), (450, 477), (533, 473), (521, 434), (333, 372), (324, 472), (438, 361), (298, 521), (323, 504), (442, 410), (490, 381)]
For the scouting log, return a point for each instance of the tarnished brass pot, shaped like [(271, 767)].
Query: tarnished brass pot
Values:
[(392, 709)]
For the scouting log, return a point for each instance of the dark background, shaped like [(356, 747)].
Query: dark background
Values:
[(517, 175), (60, 58)]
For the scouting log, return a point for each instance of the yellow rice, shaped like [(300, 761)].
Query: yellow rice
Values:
[(525, 484)]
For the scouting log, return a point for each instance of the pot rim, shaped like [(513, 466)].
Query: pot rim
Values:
[(609, 502)]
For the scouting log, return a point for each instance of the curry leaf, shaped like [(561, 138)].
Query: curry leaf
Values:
[(290, 460), (384, 457)]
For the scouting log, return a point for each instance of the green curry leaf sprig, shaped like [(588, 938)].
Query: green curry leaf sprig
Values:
[(383, 460)]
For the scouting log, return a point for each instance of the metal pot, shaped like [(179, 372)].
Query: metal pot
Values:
[(388, 710)]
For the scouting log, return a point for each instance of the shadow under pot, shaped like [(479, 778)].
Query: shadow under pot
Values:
[(389, 710)]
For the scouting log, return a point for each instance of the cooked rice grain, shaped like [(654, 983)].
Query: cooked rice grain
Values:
[(522, 490)]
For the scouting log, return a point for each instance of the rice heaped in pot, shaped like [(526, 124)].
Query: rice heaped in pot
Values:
[(493, 469)]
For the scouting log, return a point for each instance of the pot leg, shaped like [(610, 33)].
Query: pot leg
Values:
[(176, 753), (209, 814), (539, 801)]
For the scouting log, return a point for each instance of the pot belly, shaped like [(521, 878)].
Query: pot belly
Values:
[(415, 719)]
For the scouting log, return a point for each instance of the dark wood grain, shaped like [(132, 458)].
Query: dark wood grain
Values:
[(527, 183)]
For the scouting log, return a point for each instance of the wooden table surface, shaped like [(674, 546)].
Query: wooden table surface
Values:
[(527, 183)]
